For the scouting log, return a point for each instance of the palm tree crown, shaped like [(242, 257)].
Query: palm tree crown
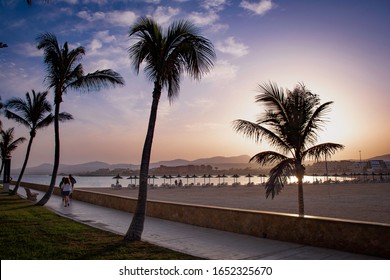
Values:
[(166, 56), (34, 112), (65, 72), (290, 123)]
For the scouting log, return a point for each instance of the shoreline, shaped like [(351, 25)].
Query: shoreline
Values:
[(368, 202)]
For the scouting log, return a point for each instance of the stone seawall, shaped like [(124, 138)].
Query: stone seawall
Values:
[(346, 235)]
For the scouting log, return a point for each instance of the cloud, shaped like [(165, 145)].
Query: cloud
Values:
[(203, 19), (216, 5), (28, 49), (91, 16), (105, 37), (118, 18), (95, 45), (163, 15), (222, 71), (230, 46), (259, 8)]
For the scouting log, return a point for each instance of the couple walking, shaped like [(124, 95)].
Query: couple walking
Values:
[(67, 186)]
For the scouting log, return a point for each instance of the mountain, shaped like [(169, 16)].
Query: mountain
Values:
[(215, 161), (175, 162), (223, 160), (46, 168), (384, 158), (220, 162)]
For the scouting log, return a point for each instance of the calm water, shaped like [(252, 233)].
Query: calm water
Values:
[(105, 182)]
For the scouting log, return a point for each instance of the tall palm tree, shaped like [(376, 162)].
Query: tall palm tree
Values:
[(64, 72), (166, 56), (8, 144), (34, 113), (290, 124)]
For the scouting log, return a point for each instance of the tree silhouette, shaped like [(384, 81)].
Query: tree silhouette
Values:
[(34, 113), (64, 72), (166, 57), (290, 124)]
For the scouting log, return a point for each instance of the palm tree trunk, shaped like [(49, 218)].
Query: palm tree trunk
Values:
[(2, 166), (49, 192), (15, 190), (300, 197), (136, 227)]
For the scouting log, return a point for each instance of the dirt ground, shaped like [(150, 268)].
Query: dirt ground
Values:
[(364, 202)]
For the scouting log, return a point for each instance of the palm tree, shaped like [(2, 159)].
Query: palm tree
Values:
[(166, 57), (8, 144), (290, 124), (64, 73), (34, 113)]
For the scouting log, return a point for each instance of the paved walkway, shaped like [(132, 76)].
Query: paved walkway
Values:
[(197, 241)]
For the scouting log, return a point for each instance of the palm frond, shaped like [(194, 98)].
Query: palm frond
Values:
[(30, 111), (273, 97), (257, 132), (268, 158), (278, 177), (98, 80), (316, 122), (322, 150), (17, 118), (63, 117)]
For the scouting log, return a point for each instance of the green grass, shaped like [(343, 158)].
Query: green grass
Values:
[(29, 232)]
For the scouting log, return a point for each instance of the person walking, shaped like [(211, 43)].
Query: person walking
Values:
[(72, 182), (67, 188), (62, 184)]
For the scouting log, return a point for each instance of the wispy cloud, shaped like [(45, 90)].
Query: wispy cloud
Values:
[(222, 71), (203, 19), (230, 46), (216, 5), (259, 8), (164, 15), (118, 18), (28, 49)]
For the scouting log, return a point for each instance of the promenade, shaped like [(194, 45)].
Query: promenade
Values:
[(202, 242)]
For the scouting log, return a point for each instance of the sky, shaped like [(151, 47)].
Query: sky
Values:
[(338, 49)]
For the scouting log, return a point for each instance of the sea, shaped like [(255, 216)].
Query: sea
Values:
[(106, 181)]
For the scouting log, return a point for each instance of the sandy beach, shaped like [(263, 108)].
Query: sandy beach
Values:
[(364, 202)]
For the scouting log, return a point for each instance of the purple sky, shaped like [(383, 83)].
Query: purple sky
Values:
[(339, 49)]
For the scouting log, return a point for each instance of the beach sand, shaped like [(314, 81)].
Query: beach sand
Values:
[(363, 202)]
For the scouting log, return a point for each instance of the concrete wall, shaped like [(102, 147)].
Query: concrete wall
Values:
[(353, 236)]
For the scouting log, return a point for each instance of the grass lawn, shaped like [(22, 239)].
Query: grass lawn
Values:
[(29, 232)]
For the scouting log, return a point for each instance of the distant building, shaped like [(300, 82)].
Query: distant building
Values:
[(377, 166), (346, 166)]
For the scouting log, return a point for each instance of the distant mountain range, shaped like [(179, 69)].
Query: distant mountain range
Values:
[(384, 158), (220, 162)]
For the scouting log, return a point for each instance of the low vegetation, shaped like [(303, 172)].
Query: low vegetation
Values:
[(35, 233)]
